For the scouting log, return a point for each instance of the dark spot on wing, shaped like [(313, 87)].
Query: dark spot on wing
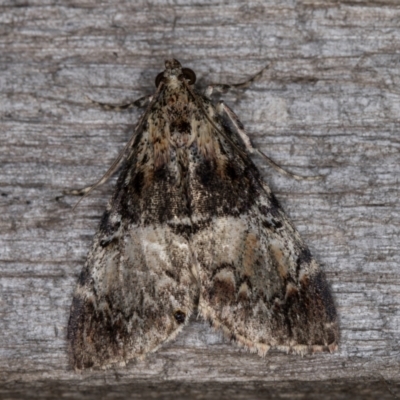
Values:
[(107, 241), (145, 159), (179, 316), (304, 258), (205, 172), (106, 226), (277, 224), (223, 291), (274, 201), (180, 126), (272, 224), (231, 172), (318, 282), (267, 224), (138, 182), (84, 276), (170, 274), (232, 192), (183, 230)]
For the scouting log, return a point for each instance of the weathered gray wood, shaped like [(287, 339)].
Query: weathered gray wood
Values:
[(336, 389), (328, 104)]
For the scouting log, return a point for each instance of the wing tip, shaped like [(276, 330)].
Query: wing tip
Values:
[(84, 356)]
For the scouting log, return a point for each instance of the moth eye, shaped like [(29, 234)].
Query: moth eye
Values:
[(179, 316), (189, 75), (159, 78)]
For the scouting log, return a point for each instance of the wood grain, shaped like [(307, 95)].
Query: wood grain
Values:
[(328, 104)]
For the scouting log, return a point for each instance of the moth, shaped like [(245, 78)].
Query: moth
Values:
[(192, 226)]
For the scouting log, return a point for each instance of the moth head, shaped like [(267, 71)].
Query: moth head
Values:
[(174, 70)]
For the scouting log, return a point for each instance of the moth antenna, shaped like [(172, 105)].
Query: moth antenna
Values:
[(224, 109), (282, 171), (115, 165)]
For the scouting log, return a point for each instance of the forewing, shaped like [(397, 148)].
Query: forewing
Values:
[(136, 290), (260, 284), (258, 280)]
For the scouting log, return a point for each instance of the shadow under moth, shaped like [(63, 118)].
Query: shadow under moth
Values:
[(192, 226)]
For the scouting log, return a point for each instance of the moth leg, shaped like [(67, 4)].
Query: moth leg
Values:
[(142, 102), (148, 101), (86, 190), (223, 88), (139, 103), (233, 121)]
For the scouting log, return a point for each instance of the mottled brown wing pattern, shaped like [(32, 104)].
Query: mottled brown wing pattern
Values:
[(258, 280), (136, 290), (260, 284), (191, 224)]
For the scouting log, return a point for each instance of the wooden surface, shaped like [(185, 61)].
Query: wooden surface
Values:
[(328, 104)]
